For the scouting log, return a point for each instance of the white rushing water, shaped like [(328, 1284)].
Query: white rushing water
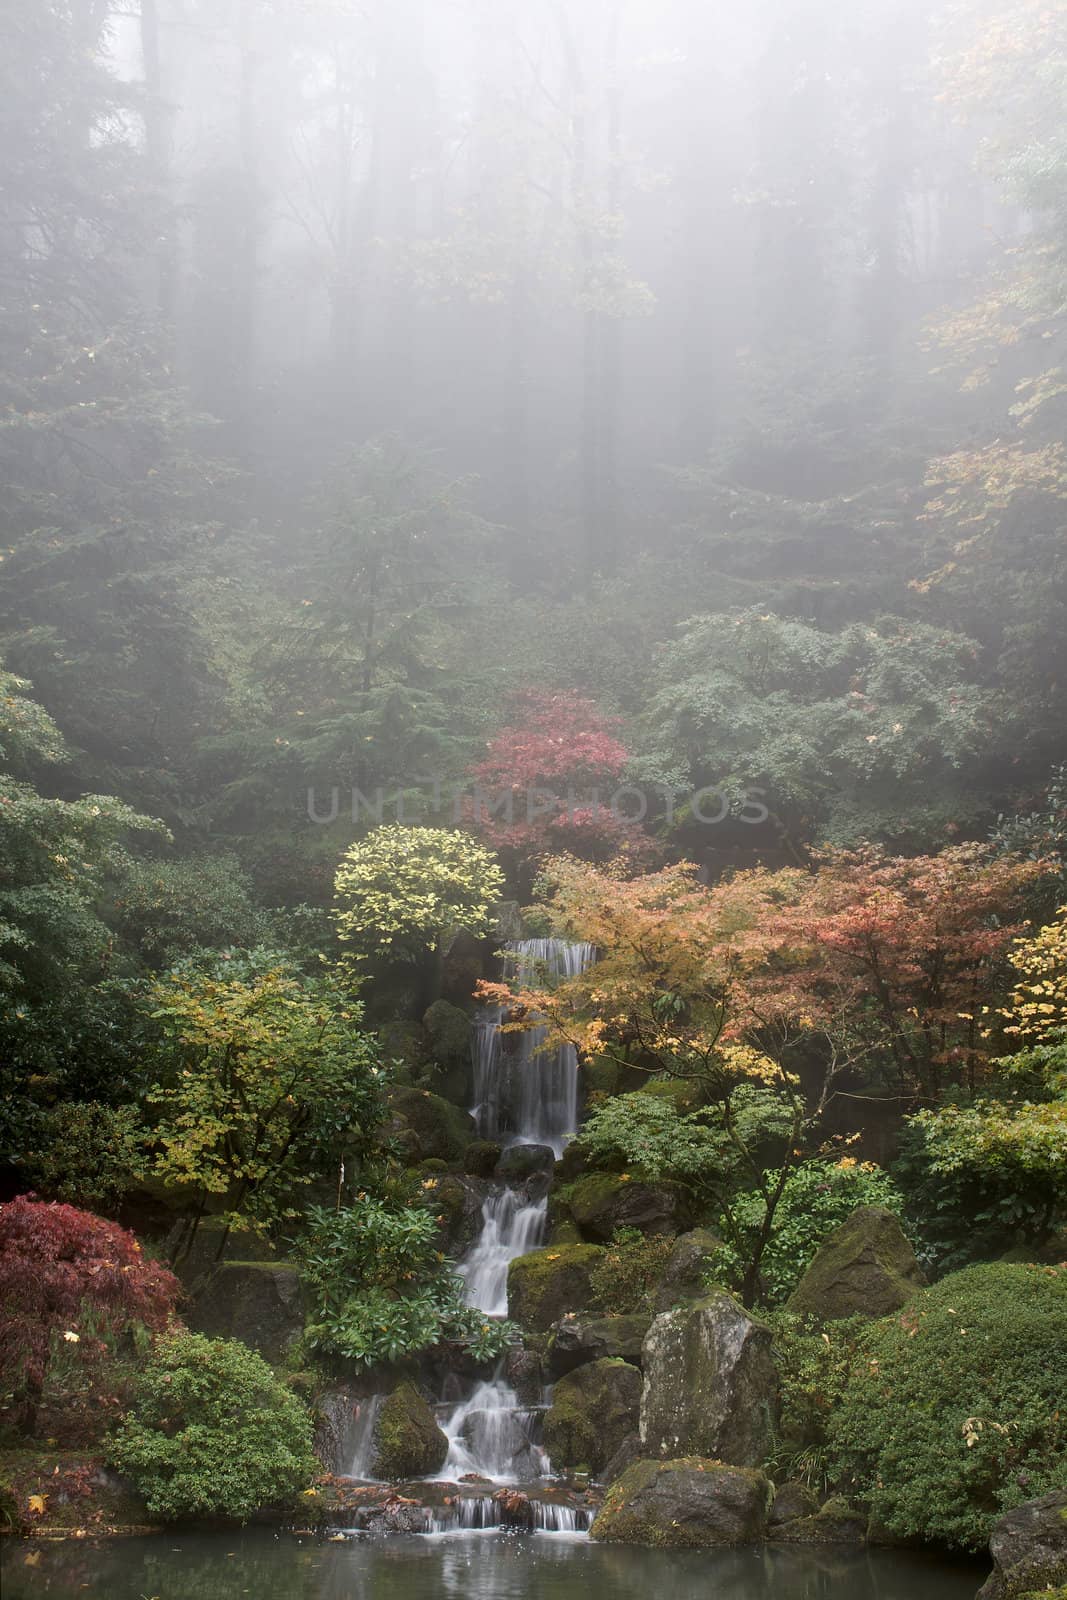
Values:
[(359, 1438), (511, 1226), (525, 1096), (491, 1433)]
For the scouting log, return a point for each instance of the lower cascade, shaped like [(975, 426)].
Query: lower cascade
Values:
[(493, 1435)]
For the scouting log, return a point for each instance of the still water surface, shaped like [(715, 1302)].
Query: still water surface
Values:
[(489, 1566)]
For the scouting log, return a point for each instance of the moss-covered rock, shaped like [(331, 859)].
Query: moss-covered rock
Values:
[(836, 1522), (439, 1128), (593, 1410), (408, 1442), (791, 1502), (1029, 1549), (684, 1276), (545, 1284), (448, 1032), (866, 1267), (711, 1384), (574, 1341), (457, 1203), (481, 1158), (259, 1302), (691, 1503), (521, 1162), (602, 1202)]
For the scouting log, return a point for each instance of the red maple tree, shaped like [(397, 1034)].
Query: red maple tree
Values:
[(548, 781), (67, 1274)]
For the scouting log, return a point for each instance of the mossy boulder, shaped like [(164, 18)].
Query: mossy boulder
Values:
[(545, 1284), (865, 1267), (792, 1501), (711, 1384), (439, 1128), (685, 1273), (481, 1157), (448, 1032), (601, 1202), (593, 1410), (520, 1162), (576, 1340), (457, 1203), (259, 1302), (1029, 1549), (691, 1503), (836, 1522), (408, 1442)]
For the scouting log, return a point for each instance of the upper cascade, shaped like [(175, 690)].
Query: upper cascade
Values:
[(528, 1095)]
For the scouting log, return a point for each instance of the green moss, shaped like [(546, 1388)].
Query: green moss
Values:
[(545, 1284), (409, 1442), (441, 1129), (631, 1513), (593, 1410)]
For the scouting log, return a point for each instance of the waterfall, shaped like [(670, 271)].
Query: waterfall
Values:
[(525, 1096), (510, 1227), (360, 1440), (531, 1095), (493, 1435)]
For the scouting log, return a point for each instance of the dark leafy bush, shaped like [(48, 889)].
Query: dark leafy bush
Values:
[(66, 1273), (817, 1198), (956, 1410), (87, 1153), (212, 1432)]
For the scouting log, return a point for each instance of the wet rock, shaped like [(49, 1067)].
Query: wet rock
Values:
[(601, 1202), (711, 1385), (593, 1410), (481, 1158), (625, 1456), (684, 1275), (525, 1373), (1029, 1549), (259, 1302), (436, 1127), (837, 1522), (792, 1501), (544, 1284), (522, 1161), (689, 1503), (866, 1267), (516, 1509), (448, 1032), (575, 1340), (408, 1442)]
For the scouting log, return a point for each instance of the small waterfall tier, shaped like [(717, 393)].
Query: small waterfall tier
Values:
[(528, 1095), (511, 1225), (493, 1435)]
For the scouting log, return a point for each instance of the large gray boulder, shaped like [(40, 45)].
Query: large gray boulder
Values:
[(602, 1202), (1029, 1549), (690, 1503), (544, 1285), (684, 1275), (259, 1302), (593, 1410), (408, 1443), (575, 1340), (711, 1384), (866, 1267)]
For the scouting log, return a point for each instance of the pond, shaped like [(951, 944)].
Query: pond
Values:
[(465, 1566)]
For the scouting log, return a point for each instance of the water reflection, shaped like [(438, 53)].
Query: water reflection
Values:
[(492, 1566)]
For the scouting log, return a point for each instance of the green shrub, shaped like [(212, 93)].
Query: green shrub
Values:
[(381, 1289), (818, 1197), (956, 1410), (211, 1432), (86, 1153), (814, 1362), (625, 1279)]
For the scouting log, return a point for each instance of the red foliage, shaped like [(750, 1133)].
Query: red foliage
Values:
[(57, 1264), (559, 761)]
